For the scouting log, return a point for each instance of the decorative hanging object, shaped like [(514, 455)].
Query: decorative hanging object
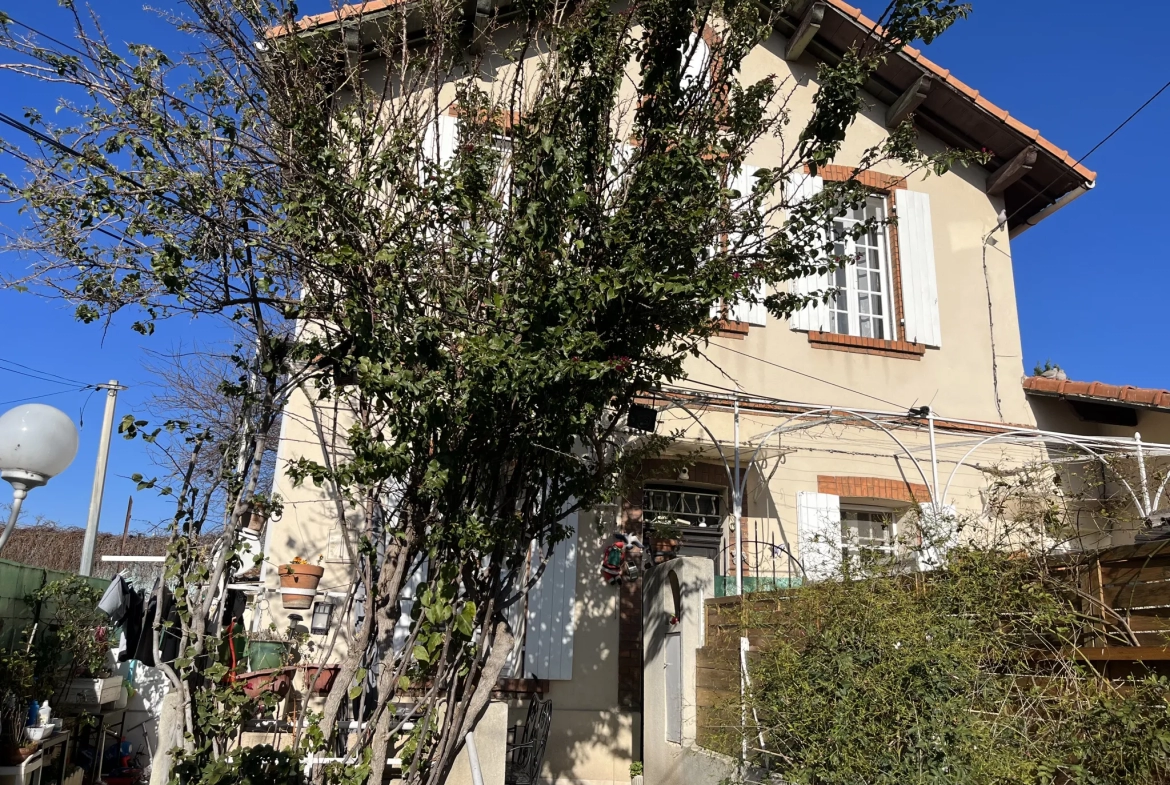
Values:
[(613, 559), (622, 559)]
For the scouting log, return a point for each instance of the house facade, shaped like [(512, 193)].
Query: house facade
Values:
[(809, 440)]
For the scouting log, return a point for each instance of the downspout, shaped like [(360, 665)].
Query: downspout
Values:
[(991, 322)]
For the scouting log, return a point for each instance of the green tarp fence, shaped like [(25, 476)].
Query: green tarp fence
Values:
[(18, 581)]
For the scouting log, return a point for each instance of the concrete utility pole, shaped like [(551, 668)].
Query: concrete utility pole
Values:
[(99, 478)]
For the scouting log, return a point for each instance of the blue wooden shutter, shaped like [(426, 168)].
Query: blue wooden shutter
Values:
[(548, 640)]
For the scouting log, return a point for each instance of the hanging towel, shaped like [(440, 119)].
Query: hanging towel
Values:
[(115, 600)]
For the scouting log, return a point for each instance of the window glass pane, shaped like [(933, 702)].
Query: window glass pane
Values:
[(868, 536), (862, 289)]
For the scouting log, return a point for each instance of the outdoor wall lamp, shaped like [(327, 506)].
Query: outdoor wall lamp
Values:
[(322, 614), (37, 442)]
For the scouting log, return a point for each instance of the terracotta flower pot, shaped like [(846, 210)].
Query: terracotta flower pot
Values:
[(10, 754), (324, 680), (256, 520), (299, 577), (277, 680)]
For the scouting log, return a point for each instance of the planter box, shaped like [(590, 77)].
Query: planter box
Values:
[(89, 692), (276, 680)]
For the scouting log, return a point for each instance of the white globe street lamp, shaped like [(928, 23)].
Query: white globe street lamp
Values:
[(37, 442)]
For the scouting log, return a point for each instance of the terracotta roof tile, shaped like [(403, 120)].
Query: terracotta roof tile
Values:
[(945, 75), (1107, 393), (347, 11)]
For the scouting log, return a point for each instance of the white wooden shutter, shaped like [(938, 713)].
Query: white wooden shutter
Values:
[(548, 641), (815, 316), (514, 614), (919, 285), (745, 310), (409, 591), (939, 533), (696, 62), (440, 137), (818, 521)]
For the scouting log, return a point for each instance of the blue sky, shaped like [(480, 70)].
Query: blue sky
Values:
[(1078, 274)]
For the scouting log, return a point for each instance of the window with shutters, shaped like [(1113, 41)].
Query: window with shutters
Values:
[(868, 535), (862, 305), (887, 296)]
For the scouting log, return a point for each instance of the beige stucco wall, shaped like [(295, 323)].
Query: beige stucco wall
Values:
[(956, 379), (592, 740)]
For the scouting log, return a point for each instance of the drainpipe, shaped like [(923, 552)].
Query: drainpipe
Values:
[(1063, 201), (935, 501), (473, 759), (737, 510)]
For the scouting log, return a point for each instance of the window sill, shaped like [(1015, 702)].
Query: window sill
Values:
[(875, 346), (736, 330), (520, 687)]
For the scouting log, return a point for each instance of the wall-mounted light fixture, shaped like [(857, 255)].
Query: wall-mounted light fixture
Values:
[(322, 615)]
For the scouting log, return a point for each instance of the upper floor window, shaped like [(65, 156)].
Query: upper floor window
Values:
[(862, 304)]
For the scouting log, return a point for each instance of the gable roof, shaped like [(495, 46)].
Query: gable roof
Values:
[(952, 111), (1096, 392)]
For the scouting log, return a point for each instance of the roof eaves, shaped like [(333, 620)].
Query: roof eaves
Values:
[(1002, 115), (1123, 395), (348, 11)]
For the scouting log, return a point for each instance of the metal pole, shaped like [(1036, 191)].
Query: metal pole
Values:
[(936, 503), (737, 510), (18, 495), (99, 478), (126, 526), (473, 759), (1141, 456)]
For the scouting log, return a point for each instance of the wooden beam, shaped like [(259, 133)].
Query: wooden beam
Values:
[(805, 32), (1013, 170), (1124, 654), (909, 101)]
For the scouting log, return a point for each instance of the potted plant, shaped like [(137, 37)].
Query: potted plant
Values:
[(298, 583), (263, 509), (70, 659), (323, 677), (269, 649), (278, 681), (16, 688)]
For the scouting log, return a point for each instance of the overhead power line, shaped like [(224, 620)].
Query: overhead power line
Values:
[(813, 377), (64, 379), (38, 397), (1094, 149)]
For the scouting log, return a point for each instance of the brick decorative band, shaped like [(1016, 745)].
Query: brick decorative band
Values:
[(876, 346), (873, 488)]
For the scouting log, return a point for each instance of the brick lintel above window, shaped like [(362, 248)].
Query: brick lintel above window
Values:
[(876, 346)]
